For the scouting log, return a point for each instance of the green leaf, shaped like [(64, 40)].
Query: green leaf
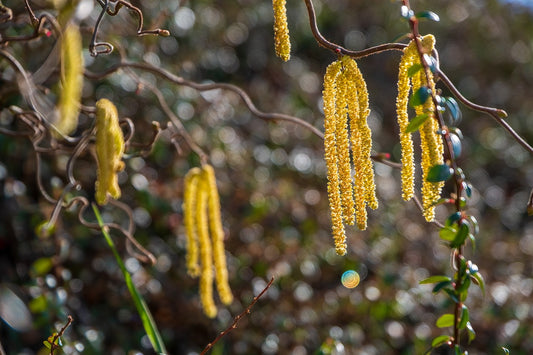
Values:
[(465, 317), (478, 280), (453, 109), (438, 341), (461, 236), (473, 241), (456, 145), (413, 69), (435, 279), (431, 63), (420, 96), (471, 332), (416, 122), (430, 15), (451, 294), (440, 285), (457, 350), (446, 320), (448, 233), (475, 224), (146, 317), (454, 217), (47, 344), (437, 173)]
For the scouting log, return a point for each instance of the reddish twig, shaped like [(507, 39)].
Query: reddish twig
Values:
[(53, 346), (322, 41), (237, 319)]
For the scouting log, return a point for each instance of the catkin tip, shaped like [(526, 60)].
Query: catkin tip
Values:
[(282, 42)]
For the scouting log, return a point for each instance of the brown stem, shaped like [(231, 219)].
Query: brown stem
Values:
[(53, 346), (237, 319), (322, 41), (497, 114), (206, 87)]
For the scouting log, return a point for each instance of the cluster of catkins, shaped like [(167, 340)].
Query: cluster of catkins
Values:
[(347, 137), (202, 218)]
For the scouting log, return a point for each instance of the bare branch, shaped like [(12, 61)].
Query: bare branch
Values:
[(322, 41), (237, 319), (497, 114), (206, 87)]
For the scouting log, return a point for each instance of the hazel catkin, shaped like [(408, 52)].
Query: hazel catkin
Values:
[(72, 81), (346, 100), (203, 226), (431, 144), (282, 42), (109, 151)]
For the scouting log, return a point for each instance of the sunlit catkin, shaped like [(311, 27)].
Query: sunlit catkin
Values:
[(206, 254), (217, 236), (282, 42), (330, 152), (343, 151), (432, 150), (109, 151), (404, 86), (72, 81), (189, 196), (432, 147), (361, 137)]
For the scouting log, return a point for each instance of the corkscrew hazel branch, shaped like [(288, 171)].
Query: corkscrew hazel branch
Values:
[(206, 87), (108, 47)]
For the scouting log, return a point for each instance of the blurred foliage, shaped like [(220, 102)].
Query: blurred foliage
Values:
[(272, 181)]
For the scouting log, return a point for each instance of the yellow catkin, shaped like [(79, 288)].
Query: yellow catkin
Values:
[(206, 254), (330, 152), (72, 81), (190, 194), (404, 86), (361, 138), (432, 147), (109, 151), (343, 151), (282, 42), (217, 236)]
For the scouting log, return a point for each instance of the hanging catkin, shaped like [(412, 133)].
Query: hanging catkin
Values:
[(189, 198), (72, 81), (282, 42), (203, 226), (217, 236), (431, 143), (346, 100), (109, 151)]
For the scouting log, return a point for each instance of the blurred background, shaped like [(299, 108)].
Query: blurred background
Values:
[(272, 182)]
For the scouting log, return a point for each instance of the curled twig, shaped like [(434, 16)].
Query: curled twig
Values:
[(322, 41), (106, 47), (237, 319), (206, 87)]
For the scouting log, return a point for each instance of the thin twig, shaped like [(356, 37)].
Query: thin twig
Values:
[(53, 346), (322, 41), (237, 319), (497, 114), (206, 87)]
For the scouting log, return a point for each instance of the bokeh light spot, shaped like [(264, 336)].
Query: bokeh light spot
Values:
[(350, 279)]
